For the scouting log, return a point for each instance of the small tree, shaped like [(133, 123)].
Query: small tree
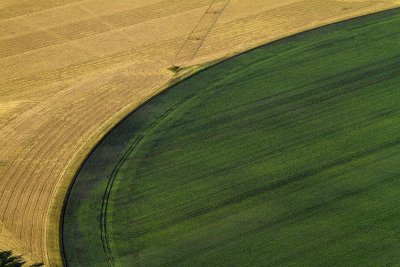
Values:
[(8, 260), (175, 69)]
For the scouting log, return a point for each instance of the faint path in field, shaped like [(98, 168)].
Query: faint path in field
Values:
[(196, 38)]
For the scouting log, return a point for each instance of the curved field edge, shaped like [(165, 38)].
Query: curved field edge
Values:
[(33, 189), (296, 35), (83, 98), (56, 254)]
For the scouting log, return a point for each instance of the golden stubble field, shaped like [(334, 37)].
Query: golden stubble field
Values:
[(70, 70)]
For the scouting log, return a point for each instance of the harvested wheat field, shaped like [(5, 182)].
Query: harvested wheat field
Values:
[(70, 70)]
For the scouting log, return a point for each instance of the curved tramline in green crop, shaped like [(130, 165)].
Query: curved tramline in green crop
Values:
[(286, 155)]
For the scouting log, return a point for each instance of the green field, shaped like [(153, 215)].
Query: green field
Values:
[(286, 155)]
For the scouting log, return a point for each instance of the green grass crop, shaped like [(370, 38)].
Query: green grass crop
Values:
[(286, 155)]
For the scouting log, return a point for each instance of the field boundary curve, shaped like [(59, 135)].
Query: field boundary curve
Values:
[(103, 215), (173, 83)]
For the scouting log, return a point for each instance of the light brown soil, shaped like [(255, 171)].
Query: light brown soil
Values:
[(70, 70)]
